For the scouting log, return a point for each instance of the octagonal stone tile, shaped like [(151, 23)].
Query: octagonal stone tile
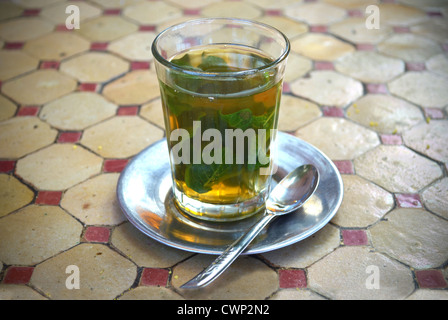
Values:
[(32, 4), (306, 252), (134, 47), (328, 88), (58, 166), (422, 88), (240, 281), (150, 293), (438, 64), (56, 46), (429, 139), (38, 87), (397, 169), (409, 47), (7, 108), (412, 236), (296, 112), (435, 197), (136, 87), (121, 137), (364, 203), (14, 63), (315, 13), (22, 135), (321, 47), (338, 138), (18, 292), (296, 67), (343, 275), (384, 113), (36, 233), (94, 202), (106, 28), (9, 10), (436, 29), (57, 14), (24, 29), (150, 13), (239, 10), (94, 67), (354, 30), (104, 274), (13, 194), (352, 4), (77, 111), (144, 251), (289, 27), (400, 15), (153, 112), (369, 66)]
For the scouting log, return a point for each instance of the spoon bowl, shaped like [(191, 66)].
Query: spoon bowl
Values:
[(288, 196)]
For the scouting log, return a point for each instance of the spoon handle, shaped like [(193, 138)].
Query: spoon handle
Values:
[(221, 263)]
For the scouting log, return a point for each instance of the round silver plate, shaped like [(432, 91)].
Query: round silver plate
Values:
[(145, 196)]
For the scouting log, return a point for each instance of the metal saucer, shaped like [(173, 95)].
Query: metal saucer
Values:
[(145, 196)]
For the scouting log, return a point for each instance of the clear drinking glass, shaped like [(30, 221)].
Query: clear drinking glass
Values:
[(221, 82)]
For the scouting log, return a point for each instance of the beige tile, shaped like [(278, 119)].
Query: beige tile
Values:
[(94, 67), (296, 112), (422, 88), (364, 203), (106, 28), (328, 88), (24, 29), (18, 292), (352, 4), (306, 252), (400, 15), (296, 67), (428, 4), (278, 4), (412, 236), (384, 113), (13, 194), (409, 47), (153, 112), (240, 281), (321, 47), (136, 87), (134, 47), (150, 293), (429, 139), (14, 63), (435, 28), (56, 46), (338, 138), (32, 4), (103, 274), (315, 13), (435, 199), (58, 167), (151, 13), (369, 66), (121, 137), (22, 135), (234, 9), (94, 202), (36, 233), (38, 87), (397, 169), (354, 30), (57, 14), (113, 4), (191, 4), (438, 64), (77, 111), (296, 294), (9, 10), (344, 274), (289, 27), (7, 108), (428, 294), (145, 252)]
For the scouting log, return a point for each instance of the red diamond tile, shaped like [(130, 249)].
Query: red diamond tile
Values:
[(434, 113), (333, 112), (434, 14), (112, 12), (28, 111), (292, 278), (154, 277), (344, 166), (69, 137), (430, 279), (445, 47), (273, 12), (13, 45), (415, 66), (319, 29), (286, 87), (114, 165), (99, 46), (18, 275), (62, 27), (97, 234), (192, 12), (400, 29), (49, 65), (391, 139), (376, 88), (127, 111), (365, 47), (87, 87), (51, 198), (408, 200), (323, 65), (7, 166), (355, 13), (31, 12), (147, 28), (354, 237), (139, 65)]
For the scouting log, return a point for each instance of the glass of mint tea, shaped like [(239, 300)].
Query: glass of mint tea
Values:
[(221, 83)]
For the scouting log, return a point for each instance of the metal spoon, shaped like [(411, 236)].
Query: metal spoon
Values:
[(289, 195)]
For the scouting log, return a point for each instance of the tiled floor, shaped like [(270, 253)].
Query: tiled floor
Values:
[(75, 106)]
